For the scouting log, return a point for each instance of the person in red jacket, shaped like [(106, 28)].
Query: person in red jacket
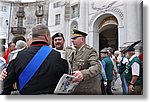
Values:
[(141, 56), (11, 47)]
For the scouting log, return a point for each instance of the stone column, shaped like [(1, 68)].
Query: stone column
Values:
[(132, 21), (83, 18)]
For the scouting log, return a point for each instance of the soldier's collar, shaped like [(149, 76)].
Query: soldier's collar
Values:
[(81, 48)]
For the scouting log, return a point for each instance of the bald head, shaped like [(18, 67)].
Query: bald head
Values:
[(41, 33)]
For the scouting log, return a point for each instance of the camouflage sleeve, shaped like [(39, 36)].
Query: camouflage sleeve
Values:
[(94, 65)]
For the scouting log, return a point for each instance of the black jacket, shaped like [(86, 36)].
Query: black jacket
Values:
[(44, 80)]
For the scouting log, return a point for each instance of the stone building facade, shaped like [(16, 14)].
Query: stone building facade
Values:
[(23, 16), (34, 13), (114, 23), (5, 12)]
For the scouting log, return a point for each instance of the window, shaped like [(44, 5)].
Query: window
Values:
[(30, 20), (39, 20), (4, 9), (57, 4), (20, 22), (57, 19), (74, 11)]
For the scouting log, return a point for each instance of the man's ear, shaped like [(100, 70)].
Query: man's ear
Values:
[(83, 39), (47, 38)]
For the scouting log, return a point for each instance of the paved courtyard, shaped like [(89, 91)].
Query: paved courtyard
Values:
[(118, 87)]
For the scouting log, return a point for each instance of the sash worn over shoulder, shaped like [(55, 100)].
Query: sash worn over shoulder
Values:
[(33, 66)]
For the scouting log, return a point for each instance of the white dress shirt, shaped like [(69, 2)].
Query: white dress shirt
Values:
[(135, 67)]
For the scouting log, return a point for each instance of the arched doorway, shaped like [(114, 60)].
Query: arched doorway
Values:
[(108, 32)]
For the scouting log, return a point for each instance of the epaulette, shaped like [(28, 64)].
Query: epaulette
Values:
[(89, 47)]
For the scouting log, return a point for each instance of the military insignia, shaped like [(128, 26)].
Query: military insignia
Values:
[(127, 69), (81, 60)]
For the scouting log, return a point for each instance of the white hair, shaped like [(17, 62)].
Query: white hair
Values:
[(20, 44), (117, 52)]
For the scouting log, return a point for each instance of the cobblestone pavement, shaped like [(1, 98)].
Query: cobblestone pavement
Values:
[(118, 87)]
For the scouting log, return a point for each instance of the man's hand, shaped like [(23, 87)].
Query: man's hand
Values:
[(131, 89), (3, 74), (78, 76)]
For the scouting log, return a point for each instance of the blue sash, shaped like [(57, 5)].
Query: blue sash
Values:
[(33, 66)]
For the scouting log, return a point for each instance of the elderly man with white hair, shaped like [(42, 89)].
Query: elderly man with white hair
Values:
[(20, 45)]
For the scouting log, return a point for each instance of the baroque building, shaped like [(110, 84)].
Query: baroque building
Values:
[(5, 12), (28, 15), (109, 23), (114, 23), (25, 15)]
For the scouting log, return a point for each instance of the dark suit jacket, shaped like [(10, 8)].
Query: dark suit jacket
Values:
[(44, 80)]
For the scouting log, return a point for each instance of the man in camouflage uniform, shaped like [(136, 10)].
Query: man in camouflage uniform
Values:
[(85, 65)]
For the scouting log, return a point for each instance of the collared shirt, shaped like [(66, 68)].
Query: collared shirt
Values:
[(135, 67), (103, 74), (103, 64), (125, 60), (81, 47), (77, 50)]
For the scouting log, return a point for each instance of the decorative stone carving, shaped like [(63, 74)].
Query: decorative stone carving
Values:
[(108, 7), (103, 7)]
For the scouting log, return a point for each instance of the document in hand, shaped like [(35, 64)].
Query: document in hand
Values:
[(65, 84)]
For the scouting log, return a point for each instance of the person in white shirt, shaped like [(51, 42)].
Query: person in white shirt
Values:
[(134, 71)]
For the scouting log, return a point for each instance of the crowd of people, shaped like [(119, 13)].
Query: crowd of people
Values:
[(34, 65)]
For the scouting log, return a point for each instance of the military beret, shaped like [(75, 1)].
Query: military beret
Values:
[(76, 33), (57, 35)]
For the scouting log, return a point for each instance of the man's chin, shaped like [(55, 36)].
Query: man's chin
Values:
[(59, 48)]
